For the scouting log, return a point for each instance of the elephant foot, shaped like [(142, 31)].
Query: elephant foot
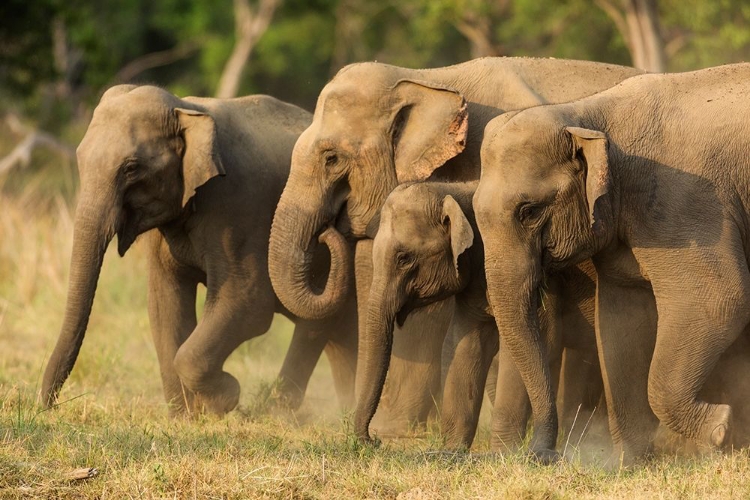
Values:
[(506, 443), (221, 397), (545, 456), (626, 455), (287, 395), (717, 428)]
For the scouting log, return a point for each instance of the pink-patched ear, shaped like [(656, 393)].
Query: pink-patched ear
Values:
[(429, 127), (200, 161), (592, 146), (461, 234)]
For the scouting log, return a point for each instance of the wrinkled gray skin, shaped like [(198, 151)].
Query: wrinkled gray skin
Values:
[(652, 179), (202, 177), (378, 126), (427, 249)]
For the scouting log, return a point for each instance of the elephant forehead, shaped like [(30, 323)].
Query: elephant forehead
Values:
[(412, 229), (110, 143)]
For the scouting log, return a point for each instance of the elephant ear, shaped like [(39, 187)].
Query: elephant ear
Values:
[(592, 146), (429, 128), (459, 228), (200, 160)]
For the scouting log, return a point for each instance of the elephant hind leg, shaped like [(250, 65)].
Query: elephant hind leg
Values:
[(171, 308), (301, 358)]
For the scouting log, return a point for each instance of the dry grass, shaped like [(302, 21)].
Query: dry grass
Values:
[(114, 418)]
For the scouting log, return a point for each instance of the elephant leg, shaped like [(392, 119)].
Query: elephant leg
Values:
[(625, 334), (171, 308), (469, 349), (512, 407), (694, 331), (308, 342), (727, 384), (580, 387), (341, 351), (234, 313), (490, 385), (580, 399)]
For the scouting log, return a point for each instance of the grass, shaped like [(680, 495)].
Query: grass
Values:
[(112, 416)]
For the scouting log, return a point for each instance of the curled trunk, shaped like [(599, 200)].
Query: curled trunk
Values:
[(378, 341), (513, 292), (291, 250), (91, 236)]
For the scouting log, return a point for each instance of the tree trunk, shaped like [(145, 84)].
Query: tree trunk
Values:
[(638, 23), (249, 28)]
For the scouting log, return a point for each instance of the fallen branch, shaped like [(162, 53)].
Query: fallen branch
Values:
[(154, 60), (21, 154)]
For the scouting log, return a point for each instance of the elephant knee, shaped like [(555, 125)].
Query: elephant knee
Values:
[(192, 371), (667, 399)]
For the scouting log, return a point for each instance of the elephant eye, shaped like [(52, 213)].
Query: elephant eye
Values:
[(331, 159), (528, 212), (130, 167), (403, 259)]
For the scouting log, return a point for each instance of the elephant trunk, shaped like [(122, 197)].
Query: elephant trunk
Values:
[(513, 291), (291, 250), (384, 304), (93, 230)]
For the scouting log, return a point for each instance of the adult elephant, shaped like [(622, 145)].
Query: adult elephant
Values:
[(428, 248), (377, 126), (650, 178), (202, 177)]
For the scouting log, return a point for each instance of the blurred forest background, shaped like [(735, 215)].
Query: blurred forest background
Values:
[(57, 57)]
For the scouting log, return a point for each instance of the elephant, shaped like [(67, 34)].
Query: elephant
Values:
[(649, 179), (376, 126), (201, 178), (427, 249)]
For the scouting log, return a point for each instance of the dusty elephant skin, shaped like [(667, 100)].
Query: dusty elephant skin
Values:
[(652, 179), (427, 249), (376, 126), (202, 177)]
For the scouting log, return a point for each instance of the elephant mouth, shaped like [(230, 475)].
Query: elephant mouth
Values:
[(343, 223), (127, 232)]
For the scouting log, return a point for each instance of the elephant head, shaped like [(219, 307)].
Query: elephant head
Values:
[(543, 202), (144, 155), (371, 131), (422, 235)]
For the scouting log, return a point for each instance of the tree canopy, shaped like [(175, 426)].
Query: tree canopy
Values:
[(57, 57)]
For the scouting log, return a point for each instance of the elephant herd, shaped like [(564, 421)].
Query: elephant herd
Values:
[(538, 229)]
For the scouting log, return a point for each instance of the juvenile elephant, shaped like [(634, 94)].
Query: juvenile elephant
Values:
[(153, 163), (428, 249), (377, 126), (651, 179)]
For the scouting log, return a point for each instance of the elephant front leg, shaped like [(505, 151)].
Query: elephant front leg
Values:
[(171, 307), (234, 313), (512, 408), (625, 334), (468, 352), (700, 315)]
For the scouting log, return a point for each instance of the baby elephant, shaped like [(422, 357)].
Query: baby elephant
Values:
[(202, 178), (428, 249)]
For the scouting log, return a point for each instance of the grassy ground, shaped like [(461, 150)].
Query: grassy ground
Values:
[(113, 417)]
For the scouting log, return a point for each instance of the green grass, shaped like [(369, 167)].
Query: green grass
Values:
[(112, 415)]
